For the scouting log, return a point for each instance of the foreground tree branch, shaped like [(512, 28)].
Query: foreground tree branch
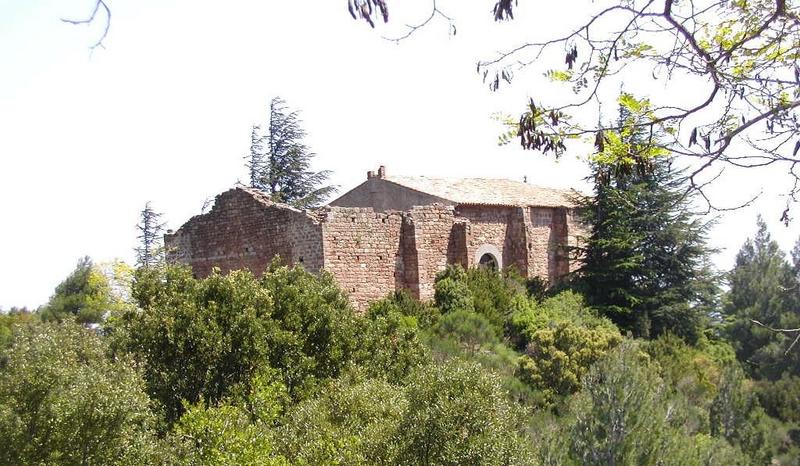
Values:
[(98, 6), (743, 53), (787, 331)]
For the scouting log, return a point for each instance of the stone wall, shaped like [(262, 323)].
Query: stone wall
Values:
[(528, 238), (373, 253), (362, 249), (547, 237), (432, 230), (245, 229), (497, 227)]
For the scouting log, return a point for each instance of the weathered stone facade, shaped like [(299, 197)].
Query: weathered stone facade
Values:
[(374, 244)]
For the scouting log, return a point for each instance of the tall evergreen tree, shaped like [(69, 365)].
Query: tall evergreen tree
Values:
[(645, 261), (255, 160), (150, 251), (280, 163), (763, 288)]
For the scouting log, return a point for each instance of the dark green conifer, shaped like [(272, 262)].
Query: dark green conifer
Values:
[(280, 163), (763, 288), (645, 261)]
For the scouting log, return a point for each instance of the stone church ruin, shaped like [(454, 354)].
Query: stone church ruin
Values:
[(388, 233)]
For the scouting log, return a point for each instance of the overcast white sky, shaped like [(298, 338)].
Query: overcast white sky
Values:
[(164, 114)]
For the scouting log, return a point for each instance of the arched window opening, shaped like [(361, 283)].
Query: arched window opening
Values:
[(488, 261)]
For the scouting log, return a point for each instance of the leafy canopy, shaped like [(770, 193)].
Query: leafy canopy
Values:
[(63, 400)]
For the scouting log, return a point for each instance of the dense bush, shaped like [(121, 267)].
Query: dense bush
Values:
[(451, 291), (450, 413), (625, 415), (281, 370), (64, 401), (233, 432), (86, 295), (562, 339), (11, 319), (737, 417), (389, 344), (459, 414), (489, 293), (781, 399), (197, 339), (200, 339), (353, 421)]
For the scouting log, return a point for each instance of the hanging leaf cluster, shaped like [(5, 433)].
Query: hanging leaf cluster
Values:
[(364, 9), (503, 9)]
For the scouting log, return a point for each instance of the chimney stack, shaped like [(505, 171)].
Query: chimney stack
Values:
[(370, 175), (382, 172)]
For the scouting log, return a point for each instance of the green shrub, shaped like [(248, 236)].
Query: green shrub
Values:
[(624, 415), (236, 431), (403, 303), (64, 401), (561, 338), (781, 399), (557, 358), (469, 329), (737, 417), (353, 421), (458, 414), (567, 306), (495, 295), (451, 291), (198, 339), (390, 347)]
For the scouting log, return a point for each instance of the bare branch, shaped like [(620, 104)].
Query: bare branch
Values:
[(435, 11), (97, 6), (788, 331)]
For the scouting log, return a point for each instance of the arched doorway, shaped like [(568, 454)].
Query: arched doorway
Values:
[(488, 261), (488, 256)]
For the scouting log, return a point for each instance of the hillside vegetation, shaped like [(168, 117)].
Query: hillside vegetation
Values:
[(278, 369)]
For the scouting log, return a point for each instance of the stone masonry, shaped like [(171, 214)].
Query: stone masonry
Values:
[(386, 235)]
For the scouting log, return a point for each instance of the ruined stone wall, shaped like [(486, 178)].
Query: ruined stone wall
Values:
[(434, 242), (372, 253), (528, 238), (547, 236), (245, 229), (577, 231), (362, 249)]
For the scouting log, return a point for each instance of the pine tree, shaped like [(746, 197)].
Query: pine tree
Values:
[(280, 163), (255, 160), (645, 261), (150, 251), (763, 288)]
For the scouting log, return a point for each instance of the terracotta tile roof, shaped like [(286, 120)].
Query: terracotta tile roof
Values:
[(487, 191)]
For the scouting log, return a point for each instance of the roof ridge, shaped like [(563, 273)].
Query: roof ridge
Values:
[(449, 178), (487, 191)]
